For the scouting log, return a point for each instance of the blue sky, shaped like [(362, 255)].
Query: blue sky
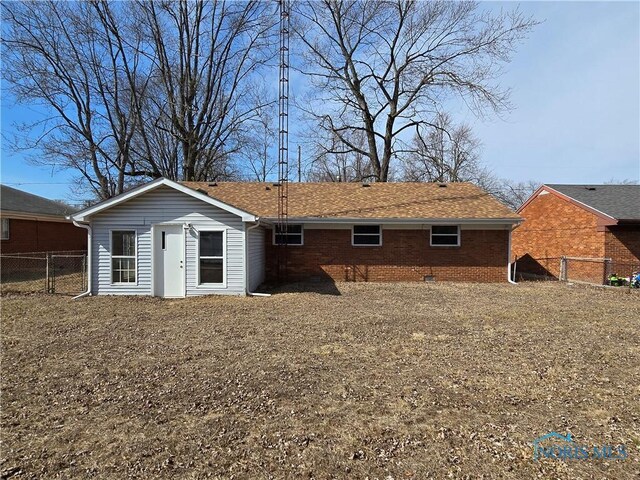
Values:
[(575, 88)]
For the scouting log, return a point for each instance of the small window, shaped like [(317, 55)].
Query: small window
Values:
[(445, 236), (123, 256), (211, 257), (366, 235), (5, 229), (290, 235)]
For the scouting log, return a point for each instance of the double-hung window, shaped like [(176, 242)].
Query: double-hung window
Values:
[(5, 229), (288, 235), (445, 236), (123, 256), (366, 235), (211, 254)]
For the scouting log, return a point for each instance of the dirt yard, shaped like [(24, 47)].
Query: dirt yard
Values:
[(361, 380)]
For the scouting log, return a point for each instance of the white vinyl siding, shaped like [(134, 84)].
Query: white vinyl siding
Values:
[(256, 257), (166, 205)]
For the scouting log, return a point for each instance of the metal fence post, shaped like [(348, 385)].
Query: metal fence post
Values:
[(47, 287)]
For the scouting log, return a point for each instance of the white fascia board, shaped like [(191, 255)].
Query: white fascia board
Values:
[(83, 215), (401, 221)]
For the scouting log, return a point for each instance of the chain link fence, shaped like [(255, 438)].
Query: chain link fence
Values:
[(594, 270), (49, 272)]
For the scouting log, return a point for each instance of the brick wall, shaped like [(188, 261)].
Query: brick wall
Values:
[(405, 255), (37, 236), (554, 227), (622, 245)]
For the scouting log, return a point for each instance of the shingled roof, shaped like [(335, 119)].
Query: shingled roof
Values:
[(14, 200), (355, 200), (621, 202)]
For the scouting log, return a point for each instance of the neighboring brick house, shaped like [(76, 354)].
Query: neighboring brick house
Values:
[(584, 221), (193, 238), (35, 224)]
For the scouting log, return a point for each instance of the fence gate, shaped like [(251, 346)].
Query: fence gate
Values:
[(50, 272)]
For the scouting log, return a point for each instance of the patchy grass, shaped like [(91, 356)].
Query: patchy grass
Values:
[(367, 380)]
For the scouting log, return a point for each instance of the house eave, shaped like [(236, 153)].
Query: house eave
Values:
[(40, 217), (399, 221)]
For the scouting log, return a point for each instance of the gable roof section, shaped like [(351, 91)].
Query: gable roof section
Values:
[(84, 215), (611, 203), (343, 201), (621, 202), (14, 200)]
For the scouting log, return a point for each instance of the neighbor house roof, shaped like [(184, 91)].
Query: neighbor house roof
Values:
[(621, 202), (362, 201), (17, 201)]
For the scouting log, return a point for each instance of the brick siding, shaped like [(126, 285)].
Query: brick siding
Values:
[(622, 245), (405, 255), (40, 236), (554, 227)]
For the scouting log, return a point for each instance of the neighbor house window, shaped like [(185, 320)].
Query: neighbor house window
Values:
[(289, 235), (5, 229), (445, 236), (211, 257), (366, 235), (123, 256)]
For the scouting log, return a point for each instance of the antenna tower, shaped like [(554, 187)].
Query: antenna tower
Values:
[(283, 138)]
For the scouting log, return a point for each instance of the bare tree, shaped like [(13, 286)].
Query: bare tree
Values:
[(444, 153), (63, 57), (141, 89), (332, 165), (514, 194), (384, 67), (205, 54), (259, 136), (624, 181)]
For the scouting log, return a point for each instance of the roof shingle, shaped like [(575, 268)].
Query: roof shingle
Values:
[(621, 202), (353, 200), (12, 199)]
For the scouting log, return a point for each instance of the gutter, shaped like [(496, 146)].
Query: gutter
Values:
[(89, 271), (401, 221), (246, 263)]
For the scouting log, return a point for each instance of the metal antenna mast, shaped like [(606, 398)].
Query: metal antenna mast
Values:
[(283, 138)]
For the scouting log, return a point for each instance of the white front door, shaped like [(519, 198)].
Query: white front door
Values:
[(168, 263)]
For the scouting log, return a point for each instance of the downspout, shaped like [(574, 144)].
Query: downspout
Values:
[(89, 271), (246, 264), (509, 259)]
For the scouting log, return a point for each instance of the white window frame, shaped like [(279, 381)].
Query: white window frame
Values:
[(5, 221), (457, 235), (112, 256), (224, 258), (379, 235), (273, 237)]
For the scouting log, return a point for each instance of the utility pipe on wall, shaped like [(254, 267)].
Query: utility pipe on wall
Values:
[(509, 279)]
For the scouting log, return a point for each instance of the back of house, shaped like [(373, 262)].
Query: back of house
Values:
[(174, 239), (597, 227)]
